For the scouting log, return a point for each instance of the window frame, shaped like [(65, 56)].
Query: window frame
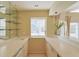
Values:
[(76, 33), (39, 36)]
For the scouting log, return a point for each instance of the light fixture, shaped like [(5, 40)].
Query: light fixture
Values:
[(36, 5), (56, 12)]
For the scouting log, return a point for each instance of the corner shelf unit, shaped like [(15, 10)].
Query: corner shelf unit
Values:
[(11, 19)]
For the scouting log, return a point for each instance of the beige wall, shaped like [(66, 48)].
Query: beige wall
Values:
[(24, 19), (74, 17)]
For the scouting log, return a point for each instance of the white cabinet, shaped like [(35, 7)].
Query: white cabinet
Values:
[(50, 51), (23, 51)]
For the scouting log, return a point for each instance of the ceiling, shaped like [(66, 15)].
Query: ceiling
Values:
[(33, 5), (74, 7), (47, 5)]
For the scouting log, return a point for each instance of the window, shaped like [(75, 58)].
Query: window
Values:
[(38, 26), (2, 9), (2, 27), (74, 30), (62, 28)]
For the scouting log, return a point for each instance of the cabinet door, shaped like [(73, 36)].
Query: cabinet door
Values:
[(25, 49), (50, 51)]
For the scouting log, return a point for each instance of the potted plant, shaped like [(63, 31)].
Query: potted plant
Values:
[(58, 26)]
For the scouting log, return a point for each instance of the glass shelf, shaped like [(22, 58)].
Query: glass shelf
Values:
[(10, 14), (9, 29), (13, 22)]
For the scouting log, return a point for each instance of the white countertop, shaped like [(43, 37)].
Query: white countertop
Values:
[(64, 46), (10, 47)]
